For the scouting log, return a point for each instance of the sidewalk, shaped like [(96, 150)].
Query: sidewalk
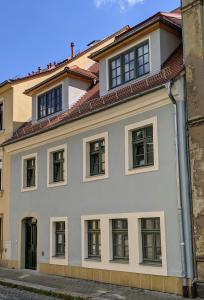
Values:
[(64, 287)]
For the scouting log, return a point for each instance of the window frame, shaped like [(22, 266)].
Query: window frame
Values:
[(86, 157), (100, 153), (45, 92), (24, 159), (121, 55), (94, 231), (50, 170), (153, 231), (54, 259), (129, 170), (59, 231), (2, 122), (123, 231)]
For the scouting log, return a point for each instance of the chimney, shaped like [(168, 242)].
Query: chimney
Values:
[(72, 49)]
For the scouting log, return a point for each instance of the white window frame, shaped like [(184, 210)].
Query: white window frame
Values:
[(47, 90), (23, 159), (1, 168), (129, 170), (50, 151), (134, 240), (86, 157), (117, 53), (54, 260)]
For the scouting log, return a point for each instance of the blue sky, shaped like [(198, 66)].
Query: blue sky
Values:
[(36, 32)]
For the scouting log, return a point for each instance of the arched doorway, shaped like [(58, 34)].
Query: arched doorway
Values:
[(30, 238)]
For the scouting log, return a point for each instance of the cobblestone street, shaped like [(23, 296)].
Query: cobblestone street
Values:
[(15, 294)]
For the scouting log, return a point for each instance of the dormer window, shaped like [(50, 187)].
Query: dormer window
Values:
[(130, 65), (50, 102)]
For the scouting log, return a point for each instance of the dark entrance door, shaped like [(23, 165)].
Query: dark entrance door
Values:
[(31, 243)]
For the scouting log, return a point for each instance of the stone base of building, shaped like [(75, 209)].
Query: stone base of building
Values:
[(165, 284)]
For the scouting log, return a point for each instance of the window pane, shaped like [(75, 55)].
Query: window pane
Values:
[(94, 238), (50, 102)]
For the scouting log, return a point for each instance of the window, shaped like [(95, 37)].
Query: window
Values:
[(94, 239), (1, 236), (95, 157), (29, 172), (57, 166), (60, 238), (142, 143), (141, 147), (120, 239), (130, 65), (50, 102), (151, 240), (1, 116)]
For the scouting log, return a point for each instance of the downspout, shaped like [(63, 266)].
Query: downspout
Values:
[(180, 206)]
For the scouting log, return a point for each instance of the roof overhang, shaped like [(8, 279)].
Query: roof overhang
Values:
[(67, 72), (135, 33)]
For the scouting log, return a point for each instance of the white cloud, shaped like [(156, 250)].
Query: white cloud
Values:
[(123, 4)]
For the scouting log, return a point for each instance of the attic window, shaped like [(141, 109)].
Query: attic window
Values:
[(129, 65), (50, 102)]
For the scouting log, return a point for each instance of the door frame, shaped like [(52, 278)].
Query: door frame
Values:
[(21, 239)]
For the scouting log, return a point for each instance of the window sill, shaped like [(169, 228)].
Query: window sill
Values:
[(153, 264), (141, 170), (120, 261), (58, 260), (94, 178), (92, 259), (29, 189), (56, 184)]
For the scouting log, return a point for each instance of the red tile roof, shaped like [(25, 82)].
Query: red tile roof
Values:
[(73, 70), (92, 103)]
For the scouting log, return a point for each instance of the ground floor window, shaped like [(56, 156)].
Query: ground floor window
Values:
[(60, 238), (120, 239), (151, 240), (94, 239)]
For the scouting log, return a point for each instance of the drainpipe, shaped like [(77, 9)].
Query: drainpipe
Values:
[(181, 192)]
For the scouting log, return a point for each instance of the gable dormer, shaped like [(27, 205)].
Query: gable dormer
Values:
[(60, 92), (139, 52)]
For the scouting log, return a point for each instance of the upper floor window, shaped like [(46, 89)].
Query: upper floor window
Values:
[(142, 143), (29, 172), (1, 116), (141, 147), (130, 65), (97, 157), (57, 166), (50, 102), (1, 175)]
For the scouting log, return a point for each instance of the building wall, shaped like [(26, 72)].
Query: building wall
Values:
[(193, 35), (146, 192)]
